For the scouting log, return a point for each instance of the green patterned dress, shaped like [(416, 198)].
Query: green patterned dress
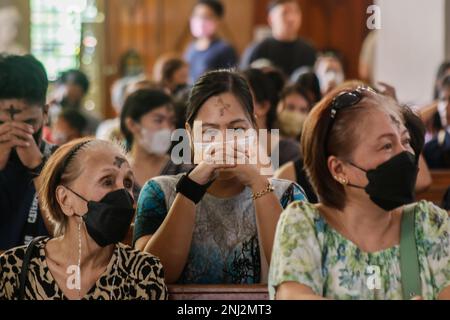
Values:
[(309, 251)]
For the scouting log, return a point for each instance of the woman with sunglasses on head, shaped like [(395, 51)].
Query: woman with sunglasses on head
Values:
[(86, 191), (366, 239), (215, 225)]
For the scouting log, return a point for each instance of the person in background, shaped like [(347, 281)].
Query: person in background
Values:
[(208, 51), (284, 49), (85, 190), (358, 153), (23, 152), (443, 72), (215, 225), (147, 122), (130, 71), (329, 69), (71, 88), (292, 110), (306, 78), (172, 73), (279, 148), (69, 125)]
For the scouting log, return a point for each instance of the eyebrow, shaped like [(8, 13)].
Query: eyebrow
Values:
[(114, 169)]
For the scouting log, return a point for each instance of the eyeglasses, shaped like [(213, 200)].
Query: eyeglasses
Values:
[(345, 100)]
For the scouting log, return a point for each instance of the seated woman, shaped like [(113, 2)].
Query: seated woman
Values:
[(86, 192), (147, 122), (358, 155), (216, 224)]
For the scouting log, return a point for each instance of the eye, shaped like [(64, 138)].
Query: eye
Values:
[(387, 146), (239, 130), (407, 142), (107, 182)]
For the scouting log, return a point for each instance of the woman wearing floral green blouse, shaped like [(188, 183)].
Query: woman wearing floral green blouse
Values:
[(361, 152)]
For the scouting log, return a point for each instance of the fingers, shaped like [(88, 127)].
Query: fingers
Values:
[(21, 134), (5, 128)]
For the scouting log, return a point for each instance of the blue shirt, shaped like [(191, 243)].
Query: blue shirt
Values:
[(220, 54), (20, 217)]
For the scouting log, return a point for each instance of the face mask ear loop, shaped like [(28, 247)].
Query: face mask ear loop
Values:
[(79, 258), (75, 193)]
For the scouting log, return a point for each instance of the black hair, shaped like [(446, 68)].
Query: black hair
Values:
[(309, 82), (74, 118), (217, 82), (264, 91), (170, 67), (215, 5), (76, 77), (276, 3), (445, 82), (444, 67), (137, 105), (23, 78), (277, 77)]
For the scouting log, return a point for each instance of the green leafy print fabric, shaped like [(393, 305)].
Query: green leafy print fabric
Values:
[(308, 251)]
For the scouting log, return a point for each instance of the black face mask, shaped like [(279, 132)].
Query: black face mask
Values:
[(392, 183), (14, 157), (108, 220)]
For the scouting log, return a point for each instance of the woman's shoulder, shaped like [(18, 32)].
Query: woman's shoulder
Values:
[(139, 265), (302, 213), (163, 181), (431, 219), (13, 257)]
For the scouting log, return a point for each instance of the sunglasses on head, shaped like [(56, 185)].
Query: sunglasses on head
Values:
[(344, 100)]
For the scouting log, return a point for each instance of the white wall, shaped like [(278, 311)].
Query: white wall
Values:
[(410, 47)]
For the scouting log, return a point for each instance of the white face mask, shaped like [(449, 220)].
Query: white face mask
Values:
[(59, 138), (157, 143)]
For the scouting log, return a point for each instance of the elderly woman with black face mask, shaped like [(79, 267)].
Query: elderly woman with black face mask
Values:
[(86, 192), (366, 239)]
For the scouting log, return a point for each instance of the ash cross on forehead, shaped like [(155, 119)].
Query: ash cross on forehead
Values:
[(118, 162), (12, 111), (223, 106)]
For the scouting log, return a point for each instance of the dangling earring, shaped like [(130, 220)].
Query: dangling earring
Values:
[(79, 257)]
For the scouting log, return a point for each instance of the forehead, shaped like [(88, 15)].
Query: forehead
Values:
[(296, 98), (379, 121), (203, 10), (289, 6), (19, 108), (227, 103)]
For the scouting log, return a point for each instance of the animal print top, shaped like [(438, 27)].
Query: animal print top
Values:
[(135, 276)]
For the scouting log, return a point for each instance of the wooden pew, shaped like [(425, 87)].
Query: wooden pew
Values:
[(440, 184), (218, 292)]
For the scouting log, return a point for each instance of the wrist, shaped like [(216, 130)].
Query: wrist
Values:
[(259, 183), (36, 167)]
